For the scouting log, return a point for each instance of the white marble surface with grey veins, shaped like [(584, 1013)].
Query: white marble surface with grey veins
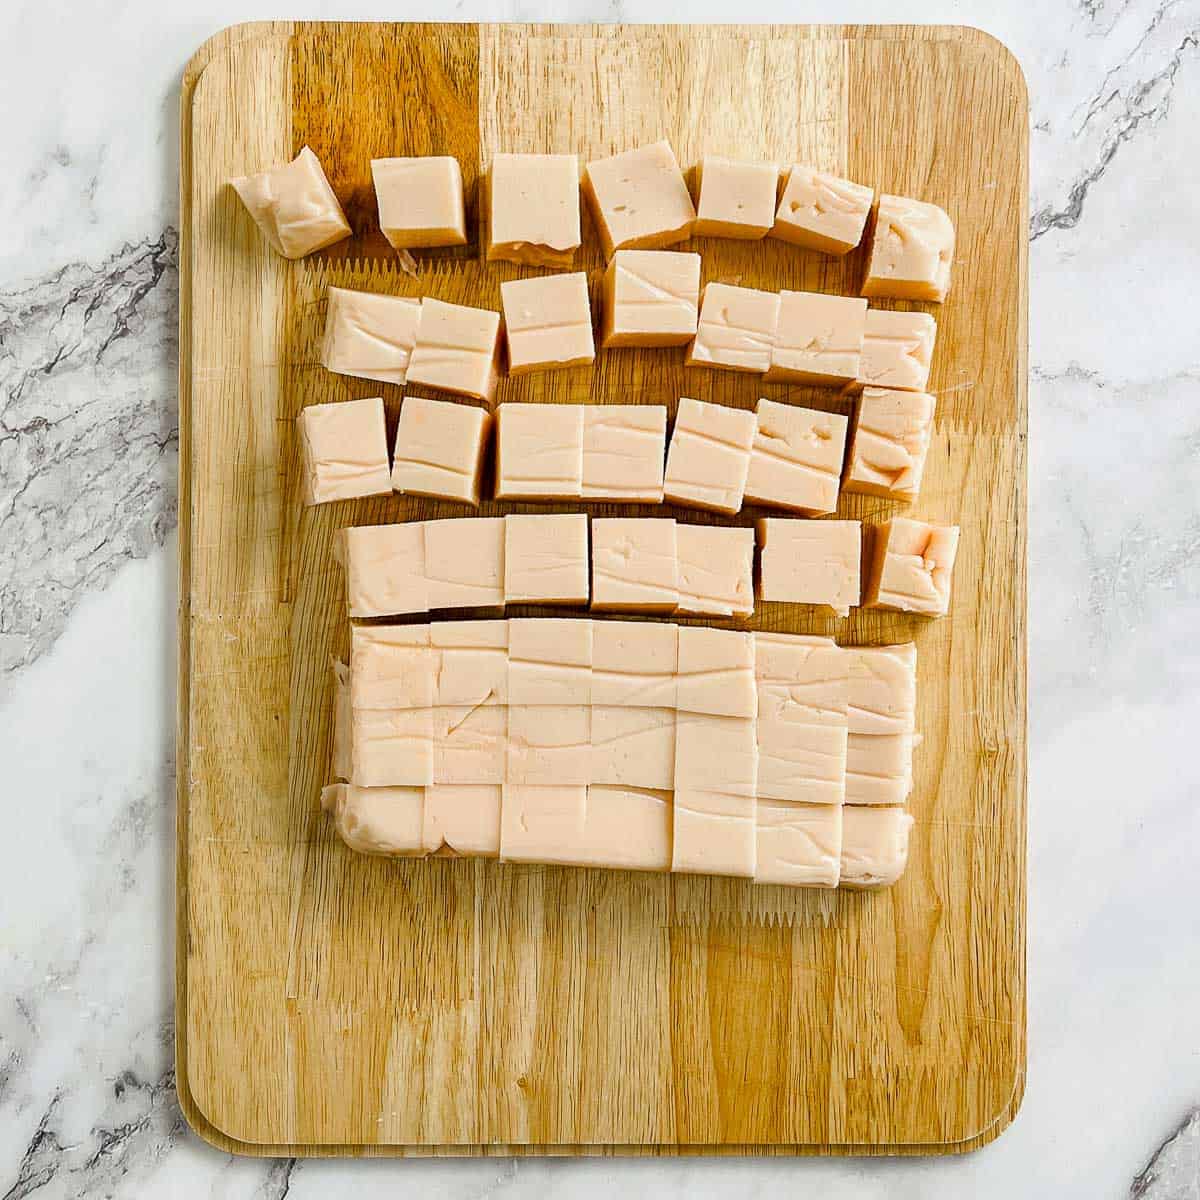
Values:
[(88, 456)]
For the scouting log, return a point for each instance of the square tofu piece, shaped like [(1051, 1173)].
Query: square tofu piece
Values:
[(546, 558), (623, 450), (897, 350), (911, 566), (549, 661), (294, 206), (368, 335), (392, 747), (822, 212), (717, 754), (464, 562), (890, 443), (736, 329), (633, 746), (343, 447), (456, 350), (716, 672), (391, 666), (796, 460), (634, 663), (737, 199), (811, 562), (798, 845), (385, 569), (549, 322), (378, 820), (533, 209), (550, 744), (420, 201), (639, 199), (651, 298), (463, 819), (634, 564), (713, 833), (716, 570), (912, 249), (627, 828), (882, 723), (874, 846), (543, 824), (818, 340), (439, 449), (471, 662), (539, 451), (470, 744), (709, 456)]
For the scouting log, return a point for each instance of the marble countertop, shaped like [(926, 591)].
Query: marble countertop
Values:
[(88, 447)]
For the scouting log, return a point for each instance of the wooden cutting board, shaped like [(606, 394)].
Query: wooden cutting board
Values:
[(330, 1003)]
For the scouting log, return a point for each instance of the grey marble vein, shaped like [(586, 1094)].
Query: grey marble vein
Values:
[(1173, 1173)]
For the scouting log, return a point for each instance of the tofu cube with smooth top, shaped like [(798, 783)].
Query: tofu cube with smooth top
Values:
[(543, 824), (874, 846), (368, 335), (463, 819), (650, 298), (624, 446), (912, 251), (736, 329), (439, 449), (392, 747), (539, 451), (464, 562), (627, 828), (796, 458), (378, 820), (912, 563), (420, 201), (709, 456), (343, 450), (634, 564), (633, 746), (897, 350), (716, 672), (457, 349), (391, 666), (718, 754), (818, 339), (549, 661), (472, 662), (533, 209), (549, 322), (546, 558), (549, 744), (385, 569), (470, 744), (737, 199), (890, 442), (798, 845), (634, 663), (713, 833), (716, 570), (810, 562), (820, 211)]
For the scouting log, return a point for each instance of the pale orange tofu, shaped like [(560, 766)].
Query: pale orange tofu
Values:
[(472, 662), (737, 199), (420, 201), (391, 666), (798, 845), (822, 212), (709, 456), (716, 672), (651, 298), (549, 744), (294, 206), (539, 451), (818, 339), (533, 209), (470, 744), (342, 720), (890, 443), (716, 754), (392, 747), (343, 450), (633, 746), (385, 569), (874, 846), (716, 570), (368, 335), (911, 567), (549, 661), (628, 828), (549, 322), (543, 824), (457, 349), (439, 449), (882, 723), (810, 562), (639, 199), (897, 350), (623, 450), (713, 833), (634, 564), (736, 329), (911, 252), (378, 820), (546, 558), (634, 663), (463, 819), (796, 458), (464, 562)]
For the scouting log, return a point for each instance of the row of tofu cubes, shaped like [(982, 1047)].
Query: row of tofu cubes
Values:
[(642, 564), (639, 198)]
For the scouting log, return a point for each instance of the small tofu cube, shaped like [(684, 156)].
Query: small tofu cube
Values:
[(651, 298), (533, 209), (472, 662), (818, 339), (385, 569), (543, 824), (463, 819), (811, 562), (888, 448), (623, 450), (391, 666), (718, 754), (420, 201), (633, 746), (796, 460), (736, 329), (549, 744), (549, 661), (368, 335), (737, 199), (716, 570), (639, 199), (883, 689), (392, 746), (713, 833), (874, 846), (456, 350), (897, 350), (709, 456), (470, 744), (464, 562), (294, 206), (343, 448), (634, 663), (549, 322), (539, 451), (628, 828), (439, 449), (798, 845), (911, 567), (378, 820), (634, 565), (822, 212), (912, 250), (546, 558), (716, 672)]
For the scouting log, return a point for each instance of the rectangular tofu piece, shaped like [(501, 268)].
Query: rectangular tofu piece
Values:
[(823, 212), (471, 660), (623, 450), (810, 562), (378, 820), (420, 201), (874, 846), (892, 432), (796, 459), (897, 350), (391, 747), (911, 566), (539, 451), (709, 456), (713, 833), (633, 746), (464, 562), (716, 672), (737, 199), (798, 845), (542, 823), (549, 660), (718, 754), (634, 564), (385, 569), (546, 558), (736, 329), (882, 723), (439, 449), (463, 819), (548, 320), (549, 744), (911, 251), (391, 666), (470, 744), (634, 663), (533, 209), (716, 570), (457, 349), (818, 339), (343, 450), (627, 828), (651, 298), (369, 336)]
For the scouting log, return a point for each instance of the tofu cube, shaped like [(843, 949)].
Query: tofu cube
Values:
[(463, 819), (818, 339), (549, 661), (912, 251), (391, 666), (439, 449), (634, 663), (874, 846), (464, 562), (391, 747), (911, 567), (457, 349), (472, 662), (713, 833), (549, 322), (890, 443), (897, 350), (533, 209), (716, 672), (651, 298), (709, 456), (634, 747), (470, 744), (819, 211), (882, 723), (737, 199), (549, 745), (378, 820), (628, 828), (796, 459), (420, 201), (385, 569), (546, 558), (343, 449), (634, 564), (543, 824), (798, 845), (716, 754), (539, 451), (368, 335), (716, 570), (736, 329), (623, 450), (811, 562)]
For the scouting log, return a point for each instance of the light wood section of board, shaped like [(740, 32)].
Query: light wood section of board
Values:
[(331, 1003)]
